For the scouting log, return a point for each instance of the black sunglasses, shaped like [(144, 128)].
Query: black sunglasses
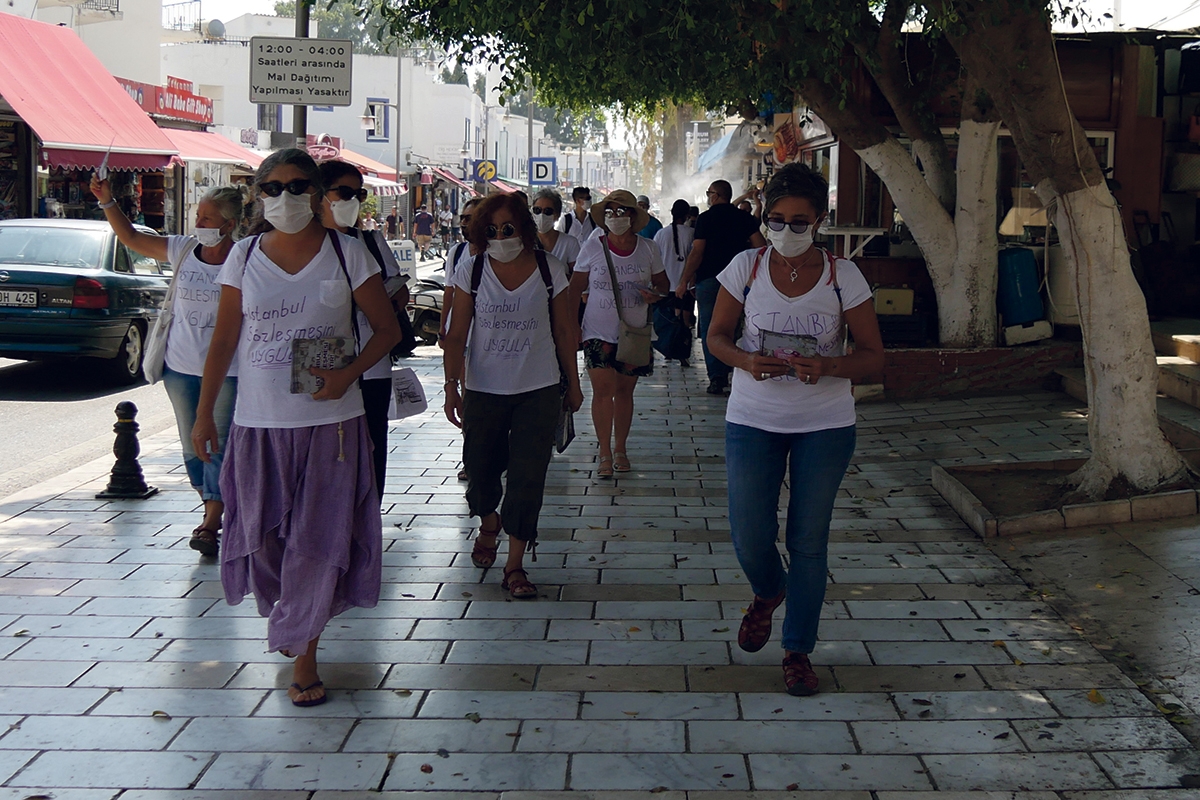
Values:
[(536, 210), (275, 188), (778, 225), (507, 230), (346, 193)]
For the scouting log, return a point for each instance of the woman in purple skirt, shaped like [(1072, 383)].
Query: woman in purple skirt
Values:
[(302, 525)]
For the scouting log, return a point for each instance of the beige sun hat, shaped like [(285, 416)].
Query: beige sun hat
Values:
[(624, 198)]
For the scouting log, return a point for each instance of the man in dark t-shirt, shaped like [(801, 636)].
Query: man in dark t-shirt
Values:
[(721, 233), (423, 226), (391, 224)]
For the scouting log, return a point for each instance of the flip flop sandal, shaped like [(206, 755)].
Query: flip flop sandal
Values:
[(483, 556), (621, 463), (308, 703), (519, 588), (603, 471), (204, 541)]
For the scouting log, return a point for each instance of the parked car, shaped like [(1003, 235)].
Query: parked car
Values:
[(69, 289), (425, 308)]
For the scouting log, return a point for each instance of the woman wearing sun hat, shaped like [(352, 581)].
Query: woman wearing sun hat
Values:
[(641, 281)]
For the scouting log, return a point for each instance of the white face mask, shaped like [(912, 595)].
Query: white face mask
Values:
[(618, 225), (583, 205), (505, 249), (289, 213), (544, 222), (209, 237), (790, 244), (345, 212)]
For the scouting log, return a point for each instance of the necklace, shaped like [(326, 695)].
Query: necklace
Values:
[(794, 274)]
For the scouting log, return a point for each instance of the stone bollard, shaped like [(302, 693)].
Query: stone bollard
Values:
[(126, 481)]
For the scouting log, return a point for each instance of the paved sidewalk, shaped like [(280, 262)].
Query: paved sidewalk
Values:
[(123, 672)]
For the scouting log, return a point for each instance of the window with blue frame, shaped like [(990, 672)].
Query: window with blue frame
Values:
[(382, 113)]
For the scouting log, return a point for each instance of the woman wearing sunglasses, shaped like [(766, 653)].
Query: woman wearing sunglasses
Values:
[(196, 260), (511, 301), (302, 524), (642, 281), (790, 408), (547, 208), (344, 194)]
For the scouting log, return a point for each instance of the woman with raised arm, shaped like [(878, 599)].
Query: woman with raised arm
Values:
[(196, 260)]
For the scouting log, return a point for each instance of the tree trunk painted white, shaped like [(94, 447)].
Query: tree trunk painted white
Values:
[(960, 256), (938, 171), (971, 320), (1121, 372)]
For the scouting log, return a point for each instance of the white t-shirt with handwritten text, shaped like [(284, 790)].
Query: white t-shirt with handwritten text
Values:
[(566, 249), (197, 295), (787, 404), (633, 270), (277, 308), (512, 343), (674, 258)]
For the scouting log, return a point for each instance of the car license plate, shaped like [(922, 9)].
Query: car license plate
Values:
[(20, 298)]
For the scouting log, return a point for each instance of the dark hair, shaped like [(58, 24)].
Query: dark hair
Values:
[(723, 190), (797, 180), (679, 210), (693, 211), (336, 170), (554, 197), (466, 228), (516, 207), (578, 190), (288, 156)]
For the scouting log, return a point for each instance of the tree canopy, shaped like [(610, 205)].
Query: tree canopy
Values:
[(346, 19)]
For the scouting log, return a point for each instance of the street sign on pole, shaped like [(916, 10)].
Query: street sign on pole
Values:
[(300, 72), (543, 171), (483, 170)]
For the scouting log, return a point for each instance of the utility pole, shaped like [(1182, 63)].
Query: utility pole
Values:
[(300, 113), (529, 143)]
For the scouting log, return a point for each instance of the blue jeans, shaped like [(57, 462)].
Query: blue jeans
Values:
[(706, 300), (184, 392), (755, 460)]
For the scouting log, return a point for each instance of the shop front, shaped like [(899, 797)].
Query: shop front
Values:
[(63, 116)]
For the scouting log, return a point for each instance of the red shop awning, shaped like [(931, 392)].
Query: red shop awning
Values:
[(56, 85), (504, 187), (450, 176), (368, 166), (211, 147)]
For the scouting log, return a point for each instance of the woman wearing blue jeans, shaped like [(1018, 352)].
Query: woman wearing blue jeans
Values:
[(790, 407), (196, 260)]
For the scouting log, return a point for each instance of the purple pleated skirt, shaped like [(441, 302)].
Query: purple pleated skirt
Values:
[(302, 528)]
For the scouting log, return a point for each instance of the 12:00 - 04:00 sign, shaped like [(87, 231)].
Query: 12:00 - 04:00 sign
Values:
[(310, 50)]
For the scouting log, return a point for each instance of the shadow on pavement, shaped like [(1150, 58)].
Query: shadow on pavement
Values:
[(56, 381)]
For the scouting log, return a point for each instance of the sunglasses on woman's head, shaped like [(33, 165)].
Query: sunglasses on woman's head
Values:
[(549, 212), (346, 193), (276, 188), (779, 224), (620, 211), (507, 230)]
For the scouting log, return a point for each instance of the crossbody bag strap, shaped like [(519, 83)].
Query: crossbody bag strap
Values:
[(373, 246), (612, 277), (837, 289), (337, 248)]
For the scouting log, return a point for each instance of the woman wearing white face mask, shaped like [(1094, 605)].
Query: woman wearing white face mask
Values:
[(790, 406), (511, 300), (302, 524), (196, 260), (547, 209), (340, 209), (641, 281)]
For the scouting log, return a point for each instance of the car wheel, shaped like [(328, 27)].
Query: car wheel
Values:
[(126, 366)]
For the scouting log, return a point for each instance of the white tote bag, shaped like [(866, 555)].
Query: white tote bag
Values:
[(408, 395), (156, 343)]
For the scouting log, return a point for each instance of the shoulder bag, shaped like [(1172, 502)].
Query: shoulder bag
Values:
[(633, 342)]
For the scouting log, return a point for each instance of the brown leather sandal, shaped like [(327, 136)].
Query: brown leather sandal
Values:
[(798, 675), (756, 625), (204, 541), (483, 556), (516, 583)]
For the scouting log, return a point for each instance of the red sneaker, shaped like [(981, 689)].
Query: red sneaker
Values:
[(799, 676)]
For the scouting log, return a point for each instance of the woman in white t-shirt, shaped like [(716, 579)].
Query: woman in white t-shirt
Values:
[(547, 208), (302, 524), (340, 208), (195, 261), (790, 408), (642, 281), (510, 300), (675, 242)]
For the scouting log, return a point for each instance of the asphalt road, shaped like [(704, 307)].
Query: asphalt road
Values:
[(54, 417)]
